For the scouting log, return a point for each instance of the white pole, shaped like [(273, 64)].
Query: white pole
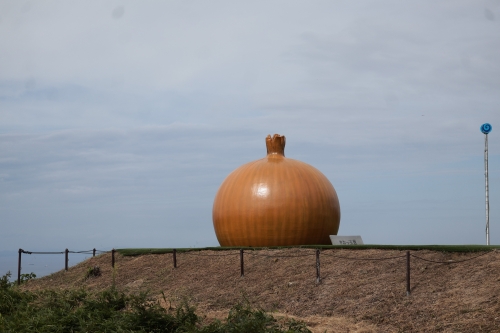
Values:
[(486, 128), (487, 189)]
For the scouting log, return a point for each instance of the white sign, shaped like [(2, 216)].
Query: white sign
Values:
[(346, 240)]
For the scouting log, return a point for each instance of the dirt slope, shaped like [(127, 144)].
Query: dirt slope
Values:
[(353, 296)]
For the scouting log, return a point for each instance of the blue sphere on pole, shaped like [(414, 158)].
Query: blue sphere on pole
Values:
[(485, 128)]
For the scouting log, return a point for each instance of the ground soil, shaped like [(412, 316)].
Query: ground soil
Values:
[(354, 295)]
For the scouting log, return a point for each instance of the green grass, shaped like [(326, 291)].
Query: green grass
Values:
[(79, 310), (442, 248)]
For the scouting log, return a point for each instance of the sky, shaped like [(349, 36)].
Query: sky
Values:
[(119, 120)]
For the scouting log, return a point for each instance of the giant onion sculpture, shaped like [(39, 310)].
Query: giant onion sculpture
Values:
[(275, 201)]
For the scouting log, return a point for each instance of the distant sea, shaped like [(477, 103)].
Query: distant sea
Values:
[(40, 264)]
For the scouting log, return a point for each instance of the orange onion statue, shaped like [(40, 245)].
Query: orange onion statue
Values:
[(275, 201)]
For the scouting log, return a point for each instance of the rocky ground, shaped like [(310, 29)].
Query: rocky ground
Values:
[(354, 295)]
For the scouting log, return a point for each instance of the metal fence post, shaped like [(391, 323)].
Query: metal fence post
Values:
[(19, 267), (66, 259), (408, 290), (175, 258), (113, 258), (318, 277), (242, 268)]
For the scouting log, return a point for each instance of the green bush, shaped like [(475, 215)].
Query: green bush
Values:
[(243, 319), (27, 277), (79, 310), (93, 272)]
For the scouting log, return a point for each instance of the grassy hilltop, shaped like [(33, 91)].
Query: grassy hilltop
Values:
[(450, 291)]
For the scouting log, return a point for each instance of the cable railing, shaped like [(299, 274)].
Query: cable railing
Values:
[(66, 257), (259, 253)]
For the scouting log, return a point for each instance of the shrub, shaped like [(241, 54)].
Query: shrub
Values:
[(113, 311), (93, 272), (242, 319)]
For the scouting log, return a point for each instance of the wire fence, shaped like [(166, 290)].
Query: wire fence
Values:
[(256, 253), (66, 257), (327, 253)]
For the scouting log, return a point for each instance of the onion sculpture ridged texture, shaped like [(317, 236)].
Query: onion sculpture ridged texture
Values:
[(275, 201)]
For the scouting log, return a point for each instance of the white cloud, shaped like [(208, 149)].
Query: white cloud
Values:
[(124, 114)]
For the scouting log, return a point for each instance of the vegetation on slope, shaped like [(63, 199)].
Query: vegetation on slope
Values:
[(113, 311), (360, 290)]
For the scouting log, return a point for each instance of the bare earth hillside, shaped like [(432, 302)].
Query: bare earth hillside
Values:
[(353, 296)]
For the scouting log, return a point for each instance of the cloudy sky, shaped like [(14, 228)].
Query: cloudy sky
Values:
[(120, 119)]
